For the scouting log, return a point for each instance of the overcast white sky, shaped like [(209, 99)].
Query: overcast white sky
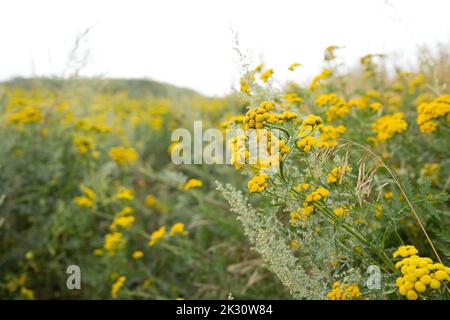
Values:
[(189, 43)]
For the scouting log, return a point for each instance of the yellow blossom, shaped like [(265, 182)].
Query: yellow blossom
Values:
[(265, 76), (177, 228), (83, 201), (258, 183), (27, 293), (192, 183), (137, 255), (343, 291), (84, 144), (157, 235), (386, 126), (293, 66), (123, 155), (418, 273), (388, 195), (113, 242), (117, 286), (326, 73), (337, 173), (150, 201), (428, 113), (124, 194)]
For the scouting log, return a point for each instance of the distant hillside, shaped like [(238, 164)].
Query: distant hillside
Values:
[(134, 87)]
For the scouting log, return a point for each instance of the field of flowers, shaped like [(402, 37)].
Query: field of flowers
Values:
[(350, 203)]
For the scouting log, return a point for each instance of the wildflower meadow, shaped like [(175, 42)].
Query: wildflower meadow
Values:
[(350, 200)]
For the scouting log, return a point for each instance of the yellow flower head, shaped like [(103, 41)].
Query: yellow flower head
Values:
[(266, 75), (293, 66), (137, 255), (123, 219), (125, 194), (117, 286), (326, 73), (123, 155), (83, 201), (25, 116), (150, 201), (113, 242), (177, 228), (337, 173), (418, 273), (88, 192), (84, 144), (157, 235), (258, 183), (342, 291), (192, 183), (386, 126)]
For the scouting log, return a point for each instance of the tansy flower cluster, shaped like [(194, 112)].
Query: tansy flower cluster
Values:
[(306, 144), (25, 116), (192, 183), (309, 124), (123, 219), (375, 106), (270, 149), (292, 97), (123, 155), (84, 143), (337, 108), (306, 131), (405, 251), (113, 242), (388, 195), (281, 117), (293, 66), (317, 195), (342, 291), (431, 170), (258, 183), (255, 117), (244, 86), (301, 214), (418, 273), (19, 284), (302, 186), (386, 126), (341, 212), (266, 75), (93, 124), (416, 82), (329, 54), (150, 201), (124, 194), (177, 228), (117, 286), (137, 255), (428, 113), (329, 133), (158, 235), (308, 205), (336, 173), (87, 200), (369, 64), (239, 151), (326, 73)]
